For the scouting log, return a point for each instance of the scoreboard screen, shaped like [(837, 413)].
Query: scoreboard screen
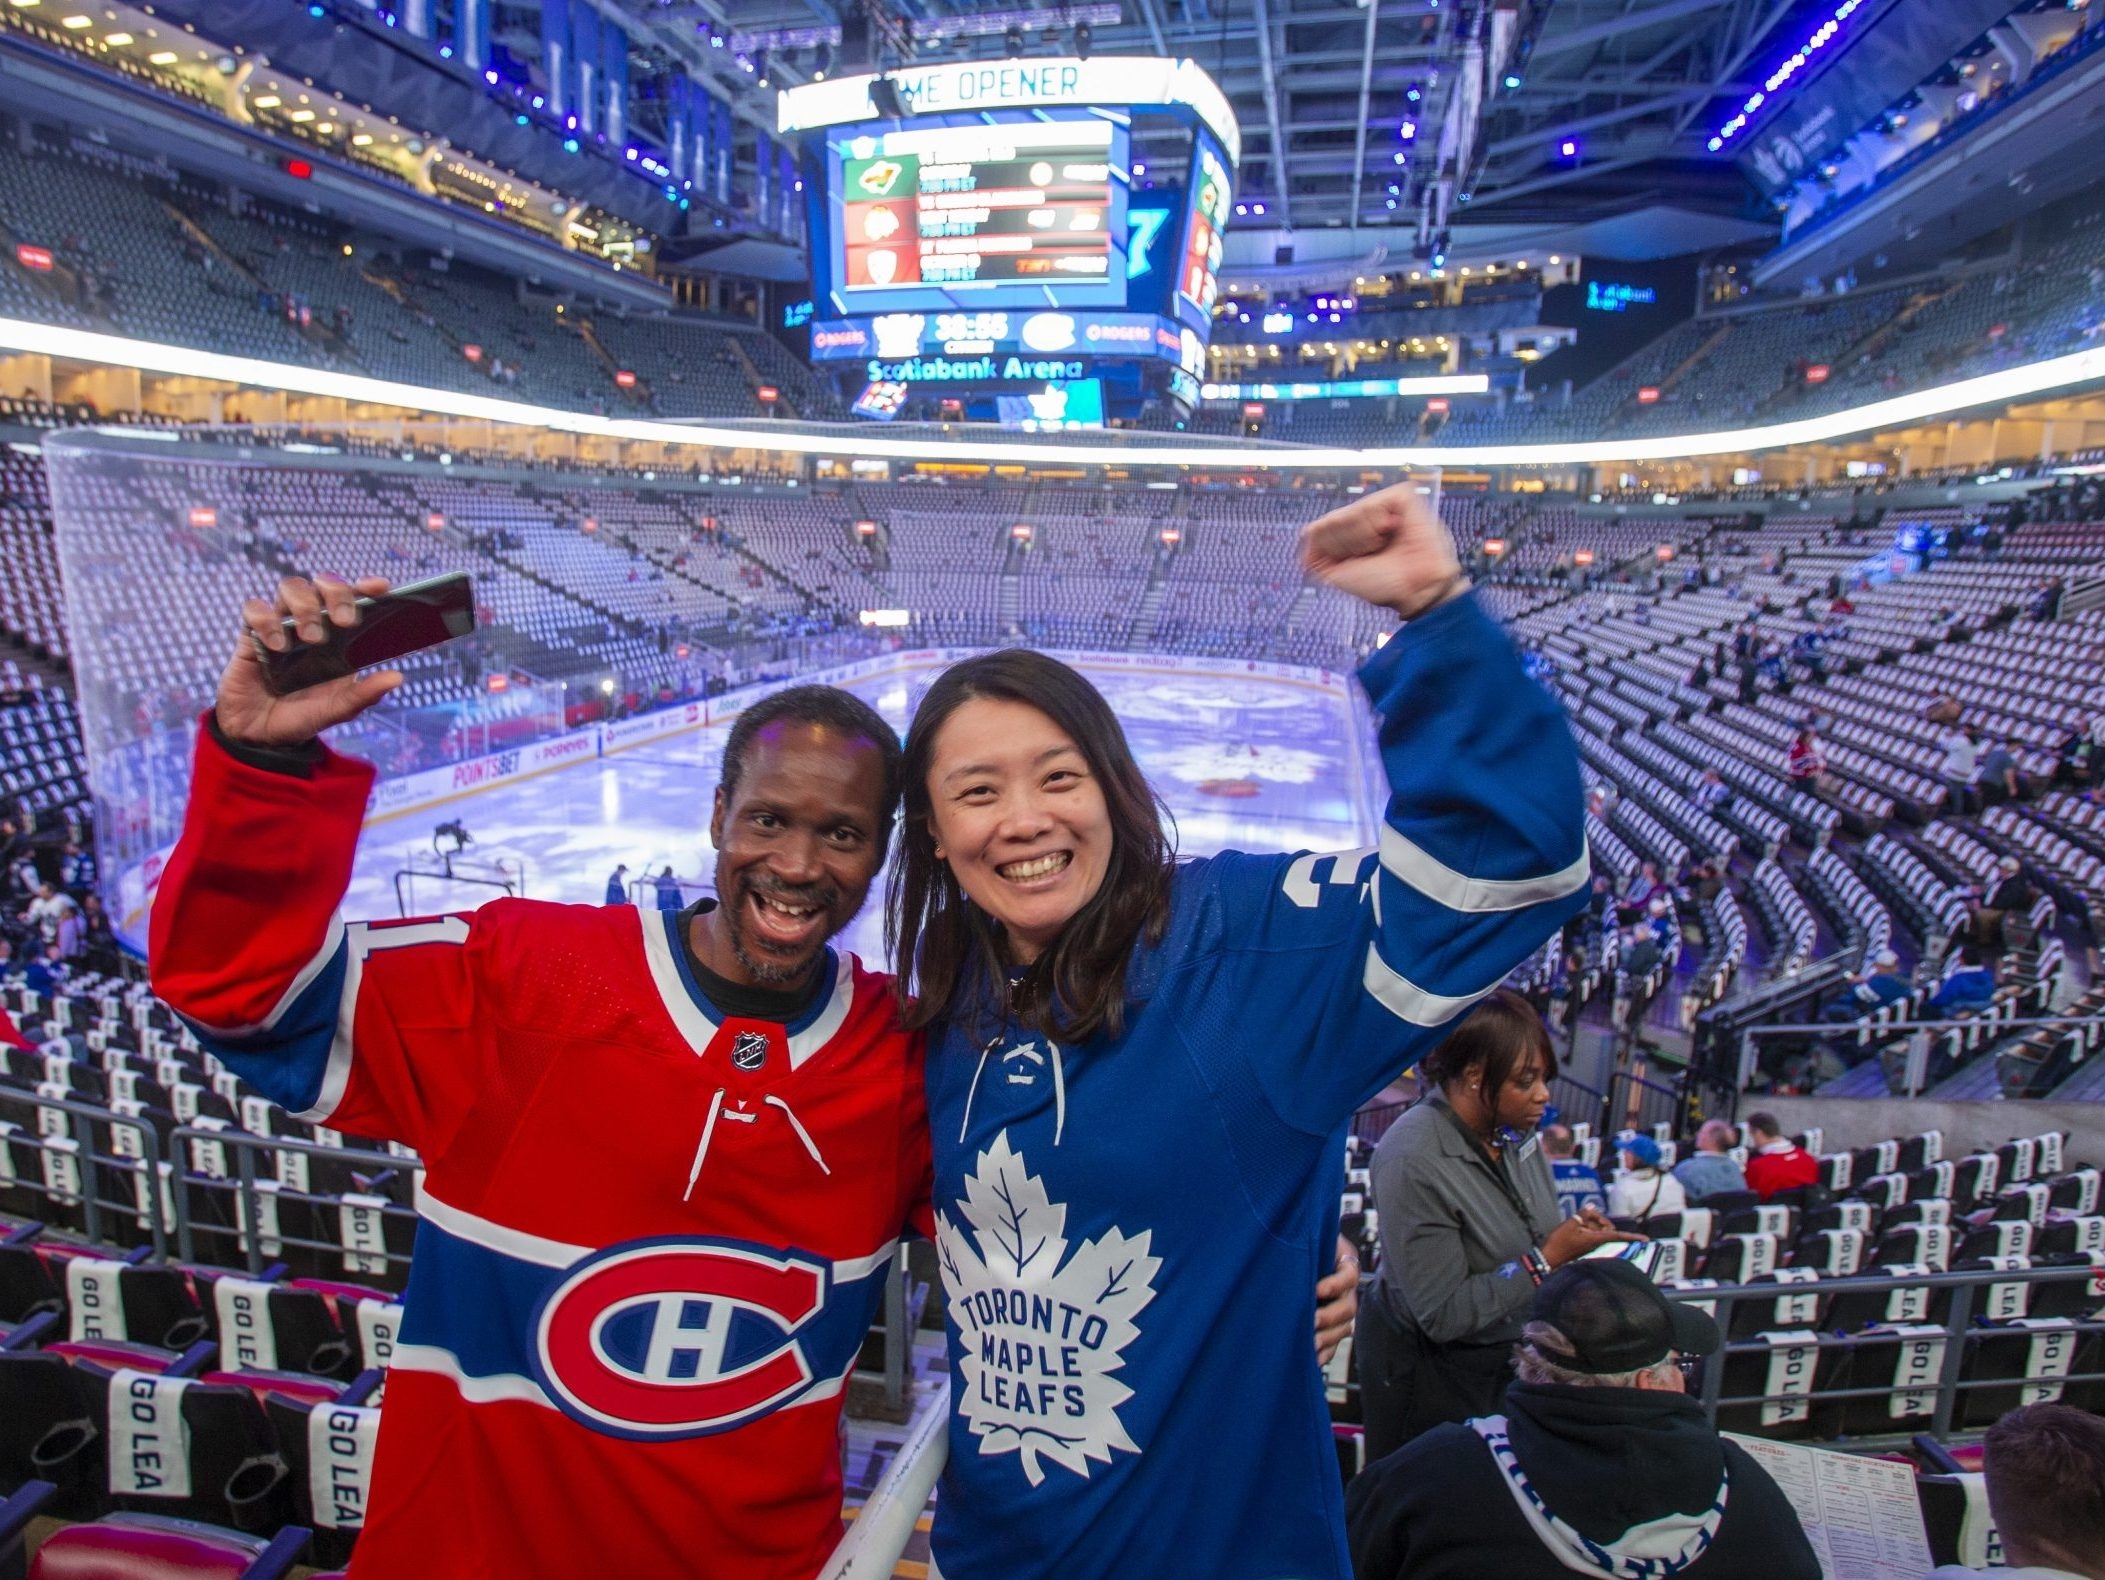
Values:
[(1205, 227), (976, 212)]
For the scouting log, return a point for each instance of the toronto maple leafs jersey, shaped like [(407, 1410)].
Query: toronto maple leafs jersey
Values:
[(651, 1237), (1130, 1230)]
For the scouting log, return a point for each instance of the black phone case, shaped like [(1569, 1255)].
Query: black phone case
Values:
[(404, 621)]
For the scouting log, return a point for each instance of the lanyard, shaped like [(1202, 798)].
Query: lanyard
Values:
[(1498, 1172)]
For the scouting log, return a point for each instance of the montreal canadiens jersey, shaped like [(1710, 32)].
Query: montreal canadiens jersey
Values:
[(1129, 1229), (651, 1238)]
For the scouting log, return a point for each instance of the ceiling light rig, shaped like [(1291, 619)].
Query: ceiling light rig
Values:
[(1824, 35)]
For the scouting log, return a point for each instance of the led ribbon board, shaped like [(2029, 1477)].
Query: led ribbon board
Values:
[(783, 438), (971, 86)]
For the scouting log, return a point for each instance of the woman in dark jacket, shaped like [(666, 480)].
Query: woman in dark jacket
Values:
[(1469, 1228)]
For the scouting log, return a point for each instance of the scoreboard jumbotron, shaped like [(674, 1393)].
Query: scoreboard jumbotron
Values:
[(999, 251)]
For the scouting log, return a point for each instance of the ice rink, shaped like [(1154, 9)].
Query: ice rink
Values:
[(1244, 763)]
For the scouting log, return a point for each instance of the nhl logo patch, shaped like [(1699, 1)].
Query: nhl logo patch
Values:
[(749, 1050)]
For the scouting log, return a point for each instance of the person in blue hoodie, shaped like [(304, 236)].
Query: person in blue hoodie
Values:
[(1140, 1072), (1968, 990)]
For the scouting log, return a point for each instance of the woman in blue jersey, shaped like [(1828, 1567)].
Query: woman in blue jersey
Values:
[(1140, 1073)]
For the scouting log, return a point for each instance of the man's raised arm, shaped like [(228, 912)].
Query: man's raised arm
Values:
[(245, 941)]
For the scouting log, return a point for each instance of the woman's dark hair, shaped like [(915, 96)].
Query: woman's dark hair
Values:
[(1498, 1036), (949, 953)]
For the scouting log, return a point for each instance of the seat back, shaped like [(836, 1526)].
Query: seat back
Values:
[(122, 1550), (50, 1430), (2026, 1358)]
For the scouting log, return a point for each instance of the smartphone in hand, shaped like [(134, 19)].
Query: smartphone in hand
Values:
[(407, 620)]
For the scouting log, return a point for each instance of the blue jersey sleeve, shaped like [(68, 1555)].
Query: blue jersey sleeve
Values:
[(1348, 967)]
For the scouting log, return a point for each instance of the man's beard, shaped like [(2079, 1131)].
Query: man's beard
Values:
[(763, 970)]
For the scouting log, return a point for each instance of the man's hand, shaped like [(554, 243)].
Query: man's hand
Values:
[(1337, 1302), (1574, 1237), (1388, 548), (246, 709)]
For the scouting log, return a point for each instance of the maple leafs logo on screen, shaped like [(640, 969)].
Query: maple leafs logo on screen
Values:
[(1042, 1330)]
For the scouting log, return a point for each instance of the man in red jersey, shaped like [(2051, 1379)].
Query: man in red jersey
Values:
[(1776, 1163), (668, 1154)]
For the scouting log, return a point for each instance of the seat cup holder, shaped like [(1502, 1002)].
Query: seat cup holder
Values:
[(250, 1493), (328, 1358), (62, 1446)]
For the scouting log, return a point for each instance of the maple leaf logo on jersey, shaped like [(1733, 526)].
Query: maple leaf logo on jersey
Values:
[(1042, 1331)]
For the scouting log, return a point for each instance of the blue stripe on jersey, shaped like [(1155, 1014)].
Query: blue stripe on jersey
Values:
[(483, 1306), (287, 1058)]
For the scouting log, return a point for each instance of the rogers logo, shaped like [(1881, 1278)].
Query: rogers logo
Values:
[(836, 339)]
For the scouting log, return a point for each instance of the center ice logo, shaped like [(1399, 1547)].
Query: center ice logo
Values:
[(679, 1338), (1042, 1331)]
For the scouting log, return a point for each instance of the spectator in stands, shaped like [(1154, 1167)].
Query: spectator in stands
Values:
[(668, 888), (618, 885), (1711, 793), (1804, 764), (1709, 1170), (1643, 1190), (71, 935), (1705, 880), (1869, 990), (76, 869), (1640, 889), (47, 909), (2005, 909), (98, 940), (1600, 1464), (1578, 1186), (1998, 771), (1960, 769), (2044, 1465), (1943, 709), (10, 967), (1777, 1163), (46, 970), (1469, 1225), (1969, 989)]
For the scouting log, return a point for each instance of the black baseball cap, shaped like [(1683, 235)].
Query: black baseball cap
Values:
[(1616, 1320)]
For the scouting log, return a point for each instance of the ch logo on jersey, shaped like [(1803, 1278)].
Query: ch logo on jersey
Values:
[(749, 1050), (679, 1338)]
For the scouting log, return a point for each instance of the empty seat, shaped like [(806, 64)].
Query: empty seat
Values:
[(1798, 1303), (2014, 1363), (1903, 1361), (133, 1546), (1780, 1385)]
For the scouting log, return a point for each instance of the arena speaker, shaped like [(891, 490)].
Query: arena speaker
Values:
[(885, 100), (855, 53)]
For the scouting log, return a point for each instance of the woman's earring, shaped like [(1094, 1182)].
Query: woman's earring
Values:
[(939, 853)]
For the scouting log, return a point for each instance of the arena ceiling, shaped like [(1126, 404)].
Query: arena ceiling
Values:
[(1605, 114)]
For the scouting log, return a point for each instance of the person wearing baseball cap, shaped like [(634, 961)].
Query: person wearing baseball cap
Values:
[(1643, 1190), (1601, 1463)]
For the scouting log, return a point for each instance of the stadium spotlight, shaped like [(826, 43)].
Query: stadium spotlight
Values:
[(1012, 41), (1084, 37), (1569, 148), (885, 100)]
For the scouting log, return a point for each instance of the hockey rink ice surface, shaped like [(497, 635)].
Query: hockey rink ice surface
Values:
[(1256, 764)]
